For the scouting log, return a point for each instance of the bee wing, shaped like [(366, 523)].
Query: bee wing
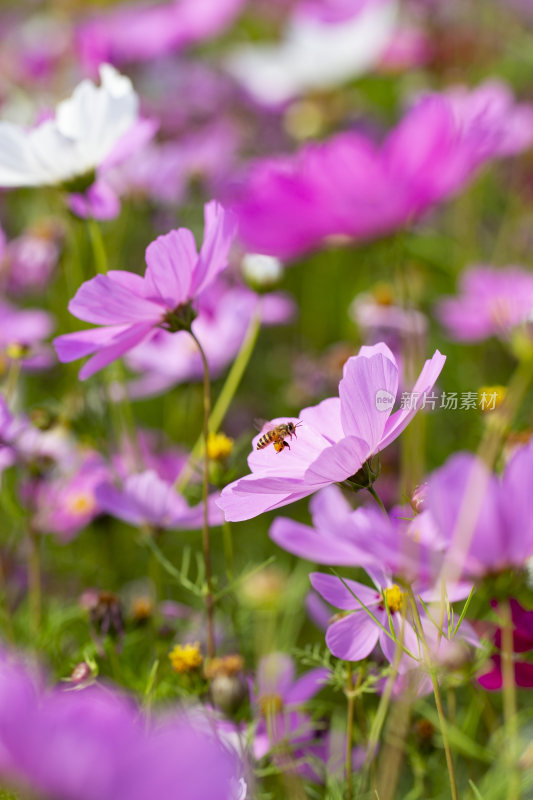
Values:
[(263, 425)]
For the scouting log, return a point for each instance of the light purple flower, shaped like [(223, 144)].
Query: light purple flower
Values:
[(491, 303), (335, 438), (277, 702), (486, 519), (144, 32), (130, 309), (367, 537), (351, 187), (26, 330), (353, 636), (146, 499), (28, 261), (94, 744), (65, 503)]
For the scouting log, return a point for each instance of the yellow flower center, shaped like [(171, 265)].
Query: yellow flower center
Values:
[(82, 503), (185, 658), (383, 294), (270, 704), (394, 598), (491, 397), (142, 607), (219, 446), (15, 350)]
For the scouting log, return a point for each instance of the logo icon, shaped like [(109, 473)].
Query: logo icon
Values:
[(384, 400)]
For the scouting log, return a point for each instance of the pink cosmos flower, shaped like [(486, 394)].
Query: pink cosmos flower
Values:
[(28, 261), (130, 309), (146, 499), (354, 636), (64, 503), (278, 701), (335, 438), (411, 548), (95, 744), (491, 302), (349, 186), (22, 336), (485, 518)]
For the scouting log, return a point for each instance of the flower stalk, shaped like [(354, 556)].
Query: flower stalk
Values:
[(210, 606)]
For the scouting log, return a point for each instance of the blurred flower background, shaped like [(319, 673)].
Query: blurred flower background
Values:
[(293, 238)]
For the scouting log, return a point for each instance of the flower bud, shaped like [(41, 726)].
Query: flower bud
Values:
[(418, 497)]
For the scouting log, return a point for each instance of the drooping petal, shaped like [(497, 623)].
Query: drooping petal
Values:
[(71, 346), (311, 544), (307, 686), (132, 336), (353, 637), (104, 300), (345, 593)]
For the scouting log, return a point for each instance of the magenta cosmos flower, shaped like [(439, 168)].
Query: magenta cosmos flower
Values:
[(129, 309), (486, 519), (491, 303), (522, 643), (350, 186), (335, 439)]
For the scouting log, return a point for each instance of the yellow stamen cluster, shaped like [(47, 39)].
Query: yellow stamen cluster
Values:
[(225, 665), (491, 397), (219, 446), (383, 294), (394, 598), (270, 704), (142, 607), (15, 350), (185, 658), (81, 503)]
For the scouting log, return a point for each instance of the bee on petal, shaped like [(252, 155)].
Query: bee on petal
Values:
[(276, 434)]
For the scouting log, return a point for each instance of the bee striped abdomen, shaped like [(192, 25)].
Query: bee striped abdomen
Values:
[(266, 439)]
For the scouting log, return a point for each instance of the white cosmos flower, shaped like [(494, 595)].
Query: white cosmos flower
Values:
[(314, 54), (76, 141)]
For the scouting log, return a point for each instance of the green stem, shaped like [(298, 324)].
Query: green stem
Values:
[(383, 707), (377, 498), (228, 548), (205, 529), (509, 701), (438, 699), (12, 380), (34, 581), (98, 247), (225, 397), (349, 731)]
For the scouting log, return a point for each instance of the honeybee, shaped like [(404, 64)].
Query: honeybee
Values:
[(276, 434)]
